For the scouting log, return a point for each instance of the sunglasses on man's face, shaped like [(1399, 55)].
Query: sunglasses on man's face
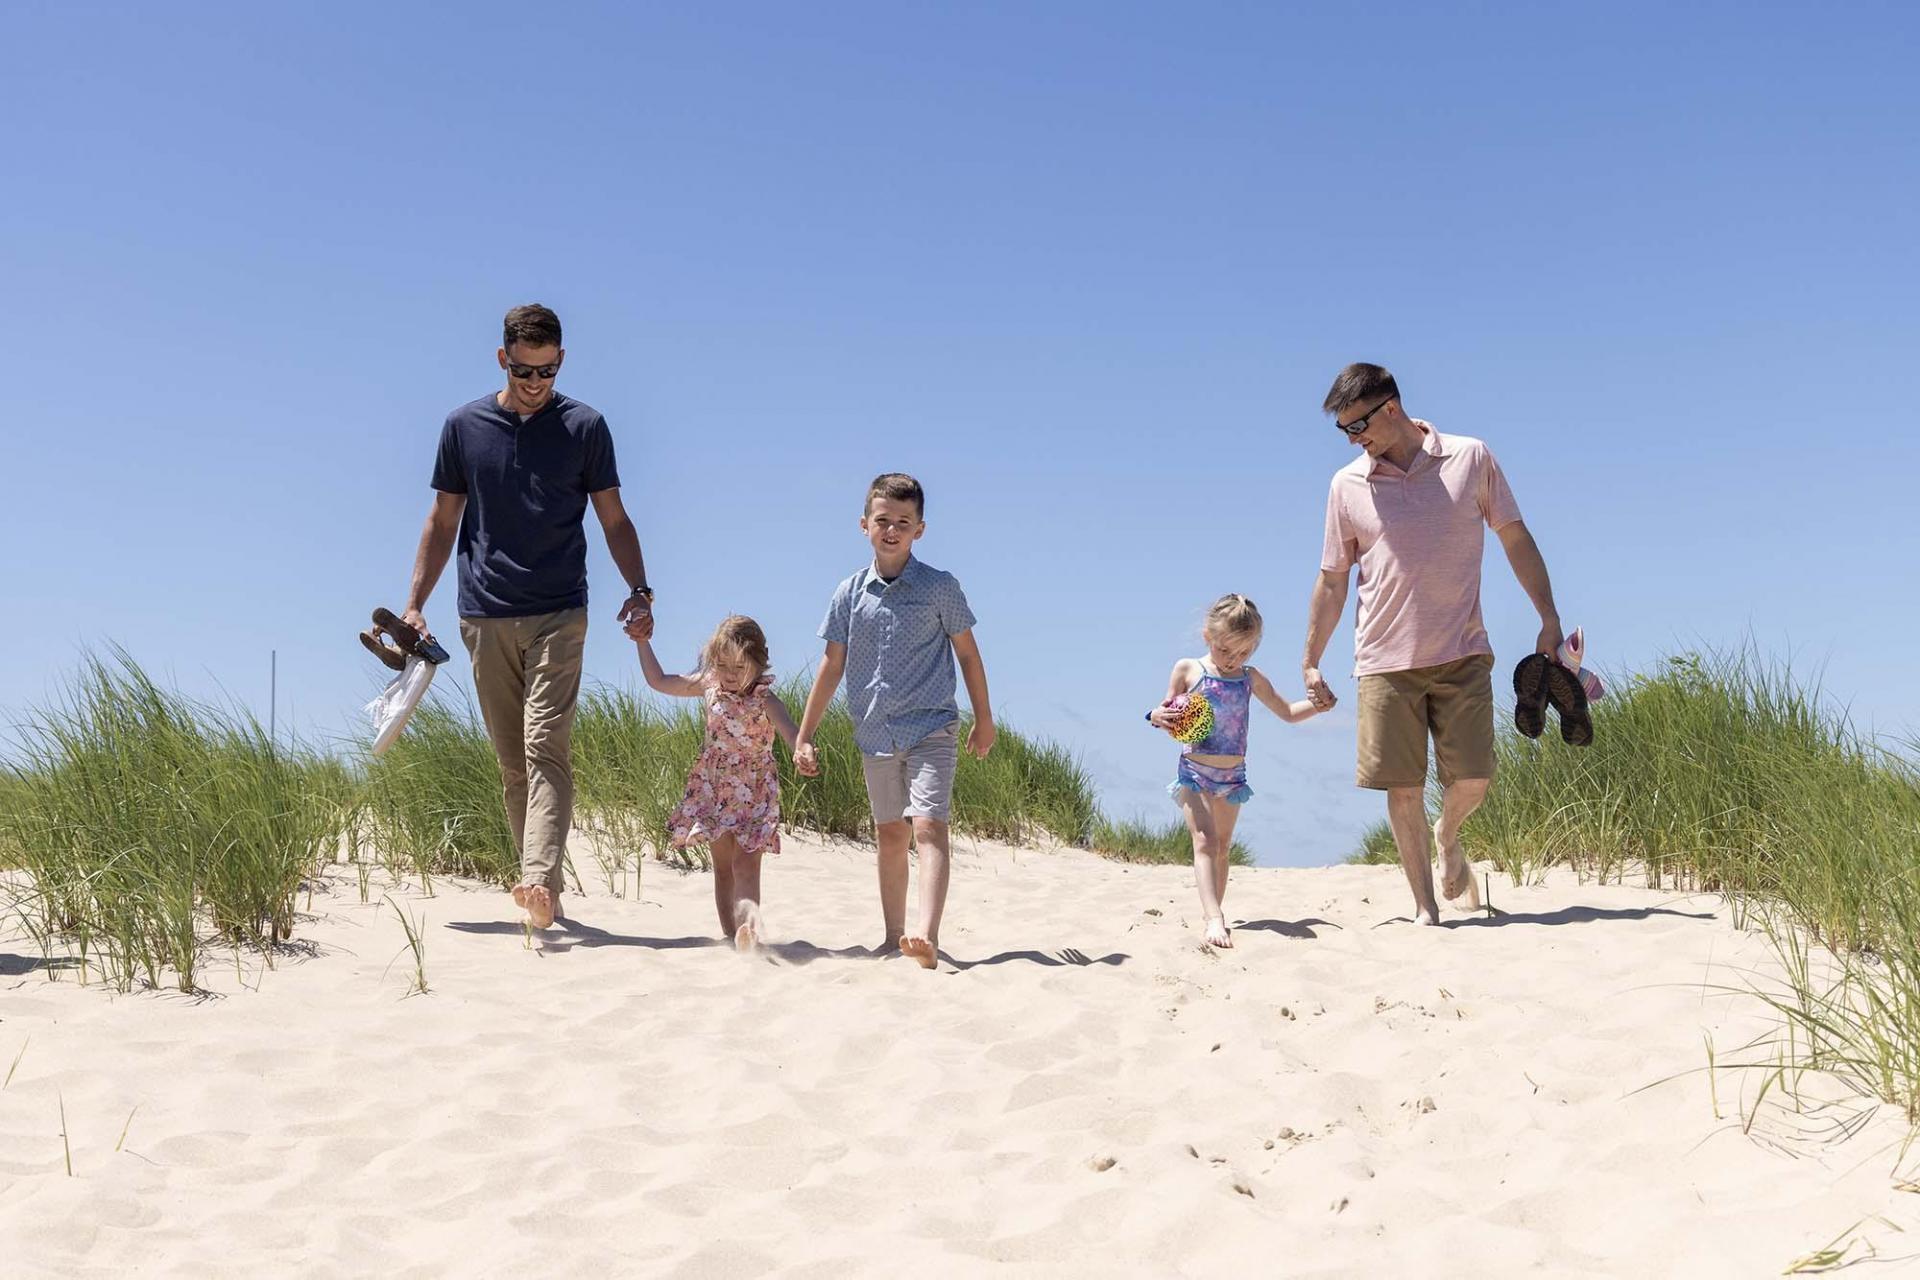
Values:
[(1358, 426), (524, 372)]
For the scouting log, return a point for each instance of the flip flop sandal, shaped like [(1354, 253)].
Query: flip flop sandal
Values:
[(382, 650), (1530, 694), (411, 642), (1569, 699)]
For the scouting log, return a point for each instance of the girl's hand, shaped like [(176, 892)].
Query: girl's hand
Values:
[(807, 760), (1161, 717)]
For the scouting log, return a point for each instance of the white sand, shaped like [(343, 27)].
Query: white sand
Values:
[(1330, 1098)]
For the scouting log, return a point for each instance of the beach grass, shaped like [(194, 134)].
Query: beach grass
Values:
[(1729, 773), (146, 823), (1169, 844)]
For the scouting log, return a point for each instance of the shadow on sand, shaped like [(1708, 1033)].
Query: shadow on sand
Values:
[(1285, 928), (571, 934), (1496, 918), (12, 966)]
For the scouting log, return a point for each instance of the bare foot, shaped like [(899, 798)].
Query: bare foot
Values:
[(921, 950), (1218, 935), (1456, 876), (1422, 916), (747, 937), (539, 904), (520, 896)]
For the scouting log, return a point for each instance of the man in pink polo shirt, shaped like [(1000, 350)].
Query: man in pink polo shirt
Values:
[(1409, 511)]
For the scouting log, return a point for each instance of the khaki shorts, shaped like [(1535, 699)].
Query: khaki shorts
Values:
[(1453, 701), (917, 782)]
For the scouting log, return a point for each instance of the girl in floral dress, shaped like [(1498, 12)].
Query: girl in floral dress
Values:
[(732, 803)]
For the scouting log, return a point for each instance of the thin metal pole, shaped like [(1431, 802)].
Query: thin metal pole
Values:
[(273, 693)]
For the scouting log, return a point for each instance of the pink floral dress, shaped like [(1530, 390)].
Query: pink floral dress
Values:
[(734, 788)]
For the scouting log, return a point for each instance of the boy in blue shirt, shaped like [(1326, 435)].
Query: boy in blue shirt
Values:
[(895, 630)]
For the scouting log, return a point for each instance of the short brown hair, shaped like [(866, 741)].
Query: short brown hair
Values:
[(532, 325), (1234, 615), (737, 634), (1359, 382), (897, 486)]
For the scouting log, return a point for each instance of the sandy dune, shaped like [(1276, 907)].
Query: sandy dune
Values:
[(1080, 1090)]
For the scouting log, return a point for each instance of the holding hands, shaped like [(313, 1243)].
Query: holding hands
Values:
[(636, 615), (1318, 694)]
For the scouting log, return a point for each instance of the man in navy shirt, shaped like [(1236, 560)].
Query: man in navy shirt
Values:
[(513, 477)]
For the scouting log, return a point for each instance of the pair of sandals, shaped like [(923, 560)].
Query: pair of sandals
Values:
[(1539, 682), (407, 642)]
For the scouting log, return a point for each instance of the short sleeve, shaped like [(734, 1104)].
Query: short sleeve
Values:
[(1338, 550), (955, 614), (597, 468), (1497, 506), (449, 465), (835, 627)]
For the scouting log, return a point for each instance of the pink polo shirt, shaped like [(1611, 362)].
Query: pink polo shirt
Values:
[(1416, 537)]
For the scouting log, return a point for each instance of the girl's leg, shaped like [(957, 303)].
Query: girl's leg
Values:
[(746, 900), (1199, 814), (1225, 814), (724, 851)]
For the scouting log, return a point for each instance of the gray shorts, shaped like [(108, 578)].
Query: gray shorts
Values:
[(917, 782)]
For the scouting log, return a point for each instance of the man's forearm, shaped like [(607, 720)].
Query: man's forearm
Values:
[(1530, 568), (436, 544), (1323, 615), (623, 544)]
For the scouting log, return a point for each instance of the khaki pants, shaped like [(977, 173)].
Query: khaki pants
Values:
[(526, 673)]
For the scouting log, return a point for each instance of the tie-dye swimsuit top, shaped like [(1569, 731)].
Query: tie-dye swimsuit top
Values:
[(1231, 698)]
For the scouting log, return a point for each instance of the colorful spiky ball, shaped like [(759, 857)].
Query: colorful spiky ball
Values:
[(1194, 717)]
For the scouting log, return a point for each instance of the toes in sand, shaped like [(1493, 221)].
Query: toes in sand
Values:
[(747, 937), (1218, 935), (539, 905), (921, 950)]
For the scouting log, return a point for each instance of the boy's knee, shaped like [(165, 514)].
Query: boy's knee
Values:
[(930, 830)]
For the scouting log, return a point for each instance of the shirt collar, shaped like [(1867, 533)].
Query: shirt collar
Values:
[(1431, 443), (909, 570)]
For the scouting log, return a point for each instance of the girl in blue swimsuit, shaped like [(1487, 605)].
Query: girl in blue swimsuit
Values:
[(1211, 784)]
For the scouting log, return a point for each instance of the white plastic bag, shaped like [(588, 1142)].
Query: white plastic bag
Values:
[(394, 707)]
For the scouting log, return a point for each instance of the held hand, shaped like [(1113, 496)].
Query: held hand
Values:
[(1550, 639), (980, 738), (637, 616), (1161, 717), (413, 618), (1317, 691), (806, 759)]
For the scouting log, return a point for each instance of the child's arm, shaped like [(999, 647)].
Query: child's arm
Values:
[(782, 719), (1291, 712), (973, 669), (659, 681), (1178, 683), (832, 665)]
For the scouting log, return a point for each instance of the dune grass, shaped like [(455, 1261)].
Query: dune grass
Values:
[(1168, 844), (1727, 773), (146, 823), (140, 826)]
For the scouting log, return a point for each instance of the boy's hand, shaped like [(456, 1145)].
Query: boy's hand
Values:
[(806, 759), (980, 738)]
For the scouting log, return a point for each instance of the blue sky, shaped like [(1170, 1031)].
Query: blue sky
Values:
[(1086, 269)]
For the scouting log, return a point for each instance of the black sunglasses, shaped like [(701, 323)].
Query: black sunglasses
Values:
[(544, 372), (1359, 424)]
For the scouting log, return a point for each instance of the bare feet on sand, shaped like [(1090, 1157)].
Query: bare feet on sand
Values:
[(921, 950), (541, 907), (1456, 873), (747, 936), (1218, 935)]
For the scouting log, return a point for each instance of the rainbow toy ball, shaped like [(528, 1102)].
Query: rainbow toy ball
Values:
[(1195, 717)]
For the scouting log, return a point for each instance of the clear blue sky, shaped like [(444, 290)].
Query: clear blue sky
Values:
[(1086, 269)]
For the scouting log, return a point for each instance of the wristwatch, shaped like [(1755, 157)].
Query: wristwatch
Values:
[(644, 591)]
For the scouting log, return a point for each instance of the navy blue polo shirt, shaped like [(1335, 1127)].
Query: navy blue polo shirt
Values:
[(523, 549)]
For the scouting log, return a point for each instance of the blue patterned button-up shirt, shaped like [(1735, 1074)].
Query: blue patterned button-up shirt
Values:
[(899, 638)]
